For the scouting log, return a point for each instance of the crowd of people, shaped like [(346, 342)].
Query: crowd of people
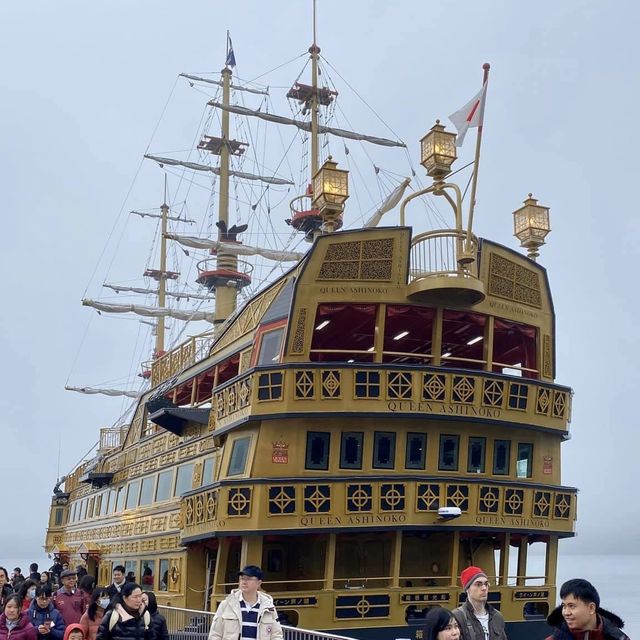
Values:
[(65, 604), (33, 610)]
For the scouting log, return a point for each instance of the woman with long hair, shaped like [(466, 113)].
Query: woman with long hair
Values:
[(45, 578), (92, 617), (128, 618), (158, 621), (5, 587), (44, 616), (14, 623), (27, 593), (439, 624)]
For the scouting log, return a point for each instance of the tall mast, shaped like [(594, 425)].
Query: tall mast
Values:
[(314, 50), (226, 295), (162, 281)]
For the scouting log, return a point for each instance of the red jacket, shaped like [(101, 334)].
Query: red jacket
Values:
[(23, 631), (91, 626), (70, 605)]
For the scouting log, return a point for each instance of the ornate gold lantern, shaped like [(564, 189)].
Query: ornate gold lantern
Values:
[(531, 226), (438, 151), (330, 191)]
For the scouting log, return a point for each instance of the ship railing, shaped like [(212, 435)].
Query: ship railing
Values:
[(442, 252), (111, 437), (183, 356), (190, 624)]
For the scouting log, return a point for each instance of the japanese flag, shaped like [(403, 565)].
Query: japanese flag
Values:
[(471, 115)]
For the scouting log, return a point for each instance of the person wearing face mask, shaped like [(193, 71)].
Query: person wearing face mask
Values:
[(5, 587), (92, 617), (27, 593), (44, 616), (14, 624)]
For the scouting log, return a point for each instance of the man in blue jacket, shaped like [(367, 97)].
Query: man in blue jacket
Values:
[(44, 616)]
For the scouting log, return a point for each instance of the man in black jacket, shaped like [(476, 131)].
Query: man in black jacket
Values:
[(580, 614)]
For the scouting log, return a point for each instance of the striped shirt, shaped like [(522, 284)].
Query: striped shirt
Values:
[(249, 620)]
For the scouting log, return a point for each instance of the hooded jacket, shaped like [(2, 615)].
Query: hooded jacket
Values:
[(38, 615), (609, 626), (73, 627), (227, 622), (22, 631), (470, 627)]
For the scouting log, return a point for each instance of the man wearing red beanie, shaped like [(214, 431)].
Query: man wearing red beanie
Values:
[(477, 619)]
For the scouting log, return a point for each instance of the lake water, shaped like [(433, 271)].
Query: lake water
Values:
[(615, 577)]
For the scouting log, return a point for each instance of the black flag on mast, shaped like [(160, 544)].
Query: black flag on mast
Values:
[(231, 58)]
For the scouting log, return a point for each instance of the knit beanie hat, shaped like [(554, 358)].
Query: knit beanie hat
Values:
[(468, 576)]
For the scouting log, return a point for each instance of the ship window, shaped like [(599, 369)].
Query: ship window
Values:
[(58, 517), (463, 339), (122, 492), (207, 471), (90, 507), (147, 579), (104, 504), (475, 461), (448, 458), (146, 490), (74, 508), (133, 494), (165, 482), (270, 346), (239, 454), (83, 509), (184, 479), (416, 454), (408, 334), (112, 501), (351, 450), (228, 369), (96, 505), (131, 565), (524, 463), (514, 348), (164, 575), (343, 333), (384, 450), (317, 455), (501, 455)]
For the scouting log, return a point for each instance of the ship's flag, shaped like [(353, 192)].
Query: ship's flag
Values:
[(231, 58), (471, 115)]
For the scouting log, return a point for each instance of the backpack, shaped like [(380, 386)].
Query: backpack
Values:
[(113, 620)]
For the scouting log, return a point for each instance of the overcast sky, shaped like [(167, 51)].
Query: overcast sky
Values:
[(84, 84)]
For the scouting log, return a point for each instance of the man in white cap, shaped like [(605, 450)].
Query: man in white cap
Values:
[(247, 613), (477, 619)]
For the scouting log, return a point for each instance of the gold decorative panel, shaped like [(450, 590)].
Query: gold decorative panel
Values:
[(547, 358), (297, 344), (370, 260), (512, 281), (249, 317)]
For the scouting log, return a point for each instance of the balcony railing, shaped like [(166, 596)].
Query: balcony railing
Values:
[(391, 389), (184, 355), (436, 253)]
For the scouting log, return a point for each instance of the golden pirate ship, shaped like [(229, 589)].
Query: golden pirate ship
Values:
[(379, 416)]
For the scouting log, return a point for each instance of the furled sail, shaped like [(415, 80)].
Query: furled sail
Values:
[(172, 294), (105, 392), (262, 92), (305, 126), (391, 201), (150, 312), (235, 249), (143, 214), (205, 167)]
